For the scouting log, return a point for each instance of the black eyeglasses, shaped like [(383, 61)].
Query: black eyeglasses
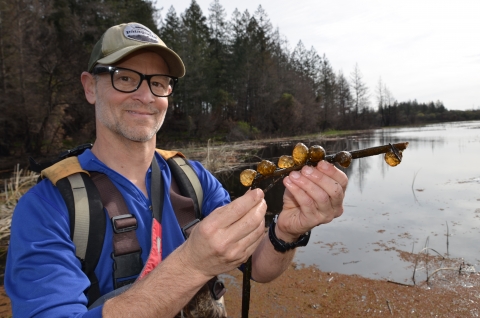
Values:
[(127, 81)]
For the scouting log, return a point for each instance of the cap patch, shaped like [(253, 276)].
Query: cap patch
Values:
[(140, 33)]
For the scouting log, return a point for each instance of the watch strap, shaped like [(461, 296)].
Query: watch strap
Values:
[(282, 246)]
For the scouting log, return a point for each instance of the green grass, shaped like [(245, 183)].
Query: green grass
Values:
[(334, 132)]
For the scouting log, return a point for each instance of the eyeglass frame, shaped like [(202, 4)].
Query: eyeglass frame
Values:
[(111, 69)]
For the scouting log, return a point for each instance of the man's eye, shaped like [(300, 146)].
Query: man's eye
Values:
[(158, 84)]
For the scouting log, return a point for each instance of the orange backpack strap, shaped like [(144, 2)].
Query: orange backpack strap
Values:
[(70, 166), (167, 154), (62, 169)]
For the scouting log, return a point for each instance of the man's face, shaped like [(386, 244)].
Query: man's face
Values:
[(135, 116)]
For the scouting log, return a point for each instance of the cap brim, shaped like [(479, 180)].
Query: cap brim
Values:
[(174, 62)]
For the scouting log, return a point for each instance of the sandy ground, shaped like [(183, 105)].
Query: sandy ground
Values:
[(308, 292), (5, 308)]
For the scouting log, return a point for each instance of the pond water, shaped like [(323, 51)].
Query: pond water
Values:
[(391, 212)]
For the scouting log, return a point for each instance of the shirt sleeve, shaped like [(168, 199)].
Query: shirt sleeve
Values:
[(43, 277)]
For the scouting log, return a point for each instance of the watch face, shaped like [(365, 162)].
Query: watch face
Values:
[(303, 241)]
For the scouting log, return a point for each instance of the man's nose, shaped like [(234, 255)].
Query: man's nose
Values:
[(144, 94)]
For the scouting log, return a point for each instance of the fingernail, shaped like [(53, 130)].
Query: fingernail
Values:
[(307, 170), (324, 165), (295, 174), (287, 180), (259, 192)]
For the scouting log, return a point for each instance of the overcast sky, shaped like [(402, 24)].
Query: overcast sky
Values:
[(427, 50)]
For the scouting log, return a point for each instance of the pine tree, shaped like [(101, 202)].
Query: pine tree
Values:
[(359, 91), (170, 32), (344, 99), (327, 92), (240, 64), (218, 72), (194, 52)]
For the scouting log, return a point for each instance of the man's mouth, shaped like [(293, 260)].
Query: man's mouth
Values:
[(141, 113)]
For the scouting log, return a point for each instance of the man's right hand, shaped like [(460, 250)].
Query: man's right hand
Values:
[(221, 242), (228, 236)]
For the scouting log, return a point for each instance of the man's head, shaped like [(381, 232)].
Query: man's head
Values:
[(130, 74), (122, 40)]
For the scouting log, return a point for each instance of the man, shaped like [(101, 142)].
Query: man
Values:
[(131, 73)]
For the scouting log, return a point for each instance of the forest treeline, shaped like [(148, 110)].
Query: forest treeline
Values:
[(242, 79)]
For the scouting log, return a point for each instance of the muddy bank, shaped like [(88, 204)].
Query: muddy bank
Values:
[(308, 292)]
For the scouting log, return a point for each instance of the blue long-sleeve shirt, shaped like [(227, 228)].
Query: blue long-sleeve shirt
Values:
[(43, 277)]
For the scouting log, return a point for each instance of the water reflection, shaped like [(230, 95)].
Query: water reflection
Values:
[(393, 211)]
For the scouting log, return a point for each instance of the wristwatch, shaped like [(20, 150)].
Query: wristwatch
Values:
[(282, 246)]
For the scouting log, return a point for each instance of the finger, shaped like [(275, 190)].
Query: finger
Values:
[(334, 188), (235, 244), (251, 242), (319, 197), (249, 224), (223, 238), (334, 173), (310, 198), (231, 213), (227, 246)]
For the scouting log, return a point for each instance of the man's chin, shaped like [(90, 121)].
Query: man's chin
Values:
[(138, 136)]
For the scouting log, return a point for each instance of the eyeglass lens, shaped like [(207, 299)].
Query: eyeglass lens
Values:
[(128, 81)]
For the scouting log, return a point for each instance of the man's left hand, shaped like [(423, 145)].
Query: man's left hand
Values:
[(313, 196)]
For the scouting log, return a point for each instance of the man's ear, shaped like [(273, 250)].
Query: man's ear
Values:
[(88, 82)]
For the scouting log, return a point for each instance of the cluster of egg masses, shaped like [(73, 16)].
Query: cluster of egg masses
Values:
[(300, 156)]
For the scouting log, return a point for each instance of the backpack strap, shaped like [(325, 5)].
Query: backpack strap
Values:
[(87, 224), (127, 253), (186, 178), (193, 188), (62, 169), (186, 181), (85, 206)]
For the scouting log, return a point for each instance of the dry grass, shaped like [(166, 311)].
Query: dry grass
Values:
[(222, 157), (14, 188)]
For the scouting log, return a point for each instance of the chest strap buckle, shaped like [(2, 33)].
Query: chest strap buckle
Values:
[(124, 223)]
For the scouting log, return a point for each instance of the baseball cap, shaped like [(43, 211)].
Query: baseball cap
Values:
[(123, 39)]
